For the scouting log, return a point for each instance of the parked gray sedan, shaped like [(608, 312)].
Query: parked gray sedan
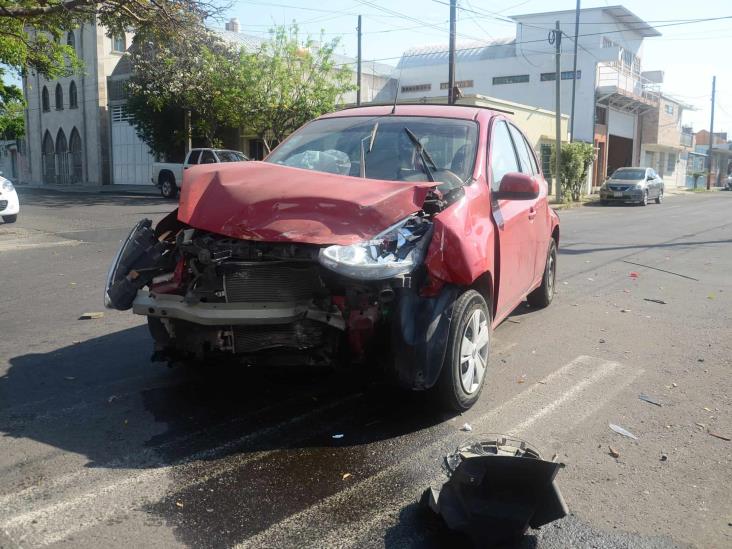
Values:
[(632, 185)]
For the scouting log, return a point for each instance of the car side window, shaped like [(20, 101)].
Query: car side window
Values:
[(522, 150), (193, 157), (532, 156), (207, 157), (503, 156)]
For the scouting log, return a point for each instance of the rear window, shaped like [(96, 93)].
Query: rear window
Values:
[(629, 174)]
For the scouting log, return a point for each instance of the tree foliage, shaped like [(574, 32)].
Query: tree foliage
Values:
[(32, 32), (576, 159), (268, 91), (12, 121)]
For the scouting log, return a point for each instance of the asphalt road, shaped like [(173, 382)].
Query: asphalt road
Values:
[(101, 448)]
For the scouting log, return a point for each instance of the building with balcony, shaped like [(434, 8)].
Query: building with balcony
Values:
[(721, 165), (611, 89)]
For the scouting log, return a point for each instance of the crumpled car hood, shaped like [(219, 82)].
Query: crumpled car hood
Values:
[(274, 203)]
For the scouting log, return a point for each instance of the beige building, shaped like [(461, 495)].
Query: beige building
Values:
[(664, 143), (67, 119)]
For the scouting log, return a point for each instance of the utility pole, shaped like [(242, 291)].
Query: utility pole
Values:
[(711, 135), (574, 69), (358, 68), (451, 61), (556, 39)]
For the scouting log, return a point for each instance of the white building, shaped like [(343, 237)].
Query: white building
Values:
[(611, 89)]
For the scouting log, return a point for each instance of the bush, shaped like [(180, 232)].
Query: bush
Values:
[(576, 160)]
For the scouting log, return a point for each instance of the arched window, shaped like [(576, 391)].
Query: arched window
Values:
[(73, 99), (62, 158), (59, 97), (75, 150), (49, 160), (45, 102), (71, 40)]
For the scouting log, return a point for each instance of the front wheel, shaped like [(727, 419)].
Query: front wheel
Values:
[(543, 295), (468, 348), (10, 218), (659, 198), (644, 202), (168, 188)]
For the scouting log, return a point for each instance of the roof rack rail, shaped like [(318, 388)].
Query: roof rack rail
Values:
[(411, 104)]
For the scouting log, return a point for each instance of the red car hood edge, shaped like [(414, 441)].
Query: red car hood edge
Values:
[(274, 203)]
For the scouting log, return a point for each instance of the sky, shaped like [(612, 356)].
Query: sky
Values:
[(689, 54)]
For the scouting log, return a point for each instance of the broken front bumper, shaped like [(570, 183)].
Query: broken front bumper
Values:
[(226, 314)]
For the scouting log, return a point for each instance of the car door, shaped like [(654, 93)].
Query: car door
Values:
[(538, 208), (514, 222)]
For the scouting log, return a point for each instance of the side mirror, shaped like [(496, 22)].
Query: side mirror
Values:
[(649, 178), (517, 186)]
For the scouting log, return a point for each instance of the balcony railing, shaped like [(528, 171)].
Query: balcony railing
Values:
[(625, 82), (686, 139)]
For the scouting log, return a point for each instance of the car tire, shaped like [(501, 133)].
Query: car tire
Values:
[(471, 320), (168, 187), (544, 294), (10, 218), (644, 202), (659, 198)]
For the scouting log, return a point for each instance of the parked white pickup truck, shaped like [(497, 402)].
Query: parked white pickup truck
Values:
[(169, 175)]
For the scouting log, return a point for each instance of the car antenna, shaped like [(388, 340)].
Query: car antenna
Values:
[(396, 93)]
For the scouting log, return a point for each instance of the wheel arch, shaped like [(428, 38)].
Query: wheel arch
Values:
[(166, 173), (484, 285)]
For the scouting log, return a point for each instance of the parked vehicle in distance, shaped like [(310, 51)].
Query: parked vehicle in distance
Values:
[(728, 184), (9, 203), (169, 175), (397, 237), (632, 185)]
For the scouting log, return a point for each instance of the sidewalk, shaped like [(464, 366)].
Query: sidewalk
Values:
[(146, 190)]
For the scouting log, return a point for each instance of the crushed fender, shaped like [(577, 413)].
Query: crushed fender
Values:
[(496, 489)]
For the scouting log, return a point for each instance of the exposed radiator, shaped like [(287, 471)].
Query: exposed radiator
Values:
[(270, 281)]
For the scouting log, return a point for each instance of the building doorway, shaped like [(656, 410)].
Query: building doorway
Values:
[(619, 153)]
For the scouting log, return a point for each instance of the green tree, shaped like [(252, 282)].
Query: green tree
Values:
[(32, 32), (174, 77), (576, 159), (289, 83), (12, 121)]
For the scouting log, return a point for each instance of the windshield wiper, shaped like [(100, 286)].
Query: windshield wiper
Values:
[(370, 139), (423, 155)]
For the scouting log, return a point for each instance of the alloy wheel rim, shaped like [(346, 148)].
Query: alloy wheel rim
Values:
[(166, 187), (474, 352), (551, 274)]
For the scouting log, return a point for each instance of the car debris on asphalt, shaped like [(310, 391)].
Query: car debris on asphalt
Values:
[(649, 400), (659, 301), (496, 490), (618, 429), (613, 452), (91, 316), (466, 427)]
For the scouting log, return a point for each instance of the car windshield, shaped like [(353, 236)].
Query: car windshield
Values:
[(629, 174), (230, 156), (334, 145)]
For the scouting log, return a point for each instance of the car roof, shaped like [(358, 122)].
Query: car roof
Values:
[(465, 112)]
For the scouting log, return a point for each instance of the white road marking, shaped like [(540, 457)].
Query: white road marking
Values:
[(17, 245), (572, 383)]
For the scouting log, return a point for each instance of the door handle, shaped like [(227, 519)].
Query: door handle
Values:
[(532, 213)]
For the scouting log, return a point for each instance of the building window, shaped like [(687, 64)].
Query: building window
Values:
[(459, 84), (62, 158), (669, 108), (45, 102), (75, 152), (59, 97), (119, 43), (416, 88), (71, 40), (514, 79), (73, 99), (120, 114), (256, 149), (552, 76), (671, 162), (49, 159)]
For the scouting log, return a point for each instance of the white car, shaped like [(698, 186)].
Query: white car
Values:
[(9, 203)]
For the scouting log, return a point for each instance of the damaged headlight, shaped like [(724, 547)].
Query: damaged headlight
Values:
[(394, 252)]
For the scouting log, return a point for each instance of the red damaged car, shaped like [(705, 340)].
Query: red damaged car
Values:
[(393, 236)]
